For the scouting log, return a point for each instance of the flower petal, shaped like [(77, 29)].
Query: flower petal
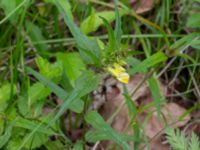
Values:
[(123, 77)]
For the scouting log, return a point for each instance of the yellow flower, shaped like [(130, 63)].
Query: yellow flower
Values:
[(123, 77), (119, 72)]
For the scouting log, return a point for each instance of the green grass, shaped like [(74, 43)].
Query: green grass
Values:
[(54, 54)]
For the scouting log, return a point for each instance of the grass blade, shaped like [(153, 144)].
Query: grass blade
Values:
[(89, 49)]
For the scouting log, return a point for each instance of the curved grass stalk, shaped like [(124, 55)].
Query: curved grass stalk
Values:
[(13, 11)]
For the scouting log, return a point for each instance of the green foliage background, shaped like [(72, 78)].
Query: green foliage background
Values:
[(61, 48)]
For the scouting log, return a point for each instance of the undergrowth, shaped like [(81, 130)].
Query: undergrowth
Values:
[(55, 53)]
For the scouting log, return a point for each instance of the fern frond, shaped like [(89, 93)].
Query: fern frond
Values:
[(176, 139), (194, 143)]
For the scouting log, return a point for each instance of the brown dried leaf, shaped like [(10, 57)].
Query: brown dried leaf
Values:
[(114, 98), (153, 127), (142, 6), (172, 112), (170, 116)]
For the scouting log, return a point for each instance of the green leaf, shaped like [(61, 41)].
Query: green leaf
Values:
[(23, 106), (88, 48), (94, 21), (36, 140), (132, 61), (51, 71), (73, 65), (36, 93), (104, 131), (156, 93), (1, 125), (118, 30), (54, 145), (36, 36), (183, 43), (32, 125), (148, 62), (62, 94), (194, 20), (84, 85), (111, 37), (66, 6), (5, 92), (130, 104), (65, 82), (94, 136), (14, 144), (196, 44), (77, 106), (90, 24), (8, 6), (6, 136), (78, 146), (137, 139)]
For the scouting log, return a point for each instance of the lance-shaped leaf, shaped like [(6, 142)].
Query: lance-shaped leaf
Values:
[(148, 62), (84, 85), (105, 132), (88, 48)]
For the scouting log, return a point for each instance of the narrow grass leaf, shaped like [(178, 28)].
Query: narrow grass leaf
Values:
[(137, 139), (156, 93), (111, 36), (52, 86), (31, 125), (94, 136), (196, 44), (61, 93), (148, 62), (89, 49), (143, 40), (35, 35), (183, 43), (130, 104), (104, 130), (84, 85), (12, 9), (118, 30)]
